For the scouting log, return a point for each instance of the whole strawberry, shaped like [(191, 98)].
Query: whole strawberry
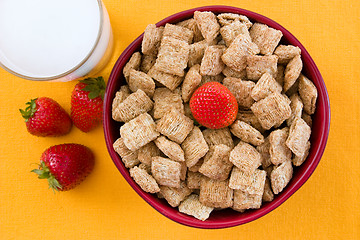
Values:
[(65, 165), (87, 103), (213, 105), (44, 117)]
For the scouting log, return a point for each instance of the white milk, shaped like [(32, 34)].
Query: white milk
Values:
[(54, 39)]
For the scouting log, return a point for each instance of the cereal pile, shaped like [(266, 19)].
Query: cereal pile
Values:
[(198, 169)]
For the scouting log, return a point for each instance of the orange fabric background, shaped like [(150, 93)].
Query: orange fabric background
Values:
[(106, 207)]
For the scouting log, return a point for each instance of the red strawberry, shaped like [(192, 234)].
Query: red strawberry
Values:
[(213, 105), (65, 165), (45, 117), (87, 103)]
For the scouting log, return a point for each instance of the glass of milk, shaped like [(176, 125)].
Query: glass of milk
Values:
[(54, 40)]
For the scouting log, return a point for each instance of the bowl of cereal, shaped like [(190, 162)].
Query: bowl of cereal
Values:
[(216, 177)]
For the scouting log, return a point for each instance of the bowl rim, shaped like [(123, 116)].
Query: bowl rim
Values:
[(288, 191)]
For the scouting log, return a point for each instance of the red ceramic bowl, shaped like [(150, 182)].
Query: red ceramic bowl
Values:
[(228, 217)]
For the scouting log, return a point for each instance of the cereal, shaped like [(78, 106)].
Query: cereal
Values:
[(211, 63), (191, 82), (281, 176), (268, 195), (297, 161), (148, 151), (218, 136), (192, 206), (175, 125), (246, 133), (193, 180), (170, 149), (307, 118), (217, 78), (280, 75), (245, 157), (228, 18), (166, 172), (196, 52), (191, 24), (128, 157), (250, 118), (138, 132), (120, 96), (197, 166), (292, 72), (173, 56), (133, 63), (251, 183), (168, 80), (265, 38), (134, 105), (175, 195), (194, 146), (264, 150), (230, 31), (299, 135), (241, 90), (265, 86), (258, 65), (279, 152), (243, 201), (147, 62), (151, 40), (140, 80), (229, 72), (296, 106), (216, 163), (178, 32), (286, 53), (165, 100), (208, 24), (215, 193), (308, 94), (144, 180)]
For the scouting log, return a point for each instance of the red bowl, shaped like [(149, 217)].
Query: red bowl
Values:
[(228, 217)]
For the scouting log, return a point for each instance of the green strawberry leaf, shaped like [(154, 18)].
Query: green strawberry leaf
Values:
[(95, 86), (44, 173), (29, 110)]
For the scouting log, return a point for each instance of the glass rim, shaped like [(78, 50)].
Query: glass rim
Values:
[(55, 77)]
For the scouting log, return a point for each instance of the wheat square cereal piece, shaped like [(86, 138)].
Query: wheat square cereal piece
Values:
[(170, 149), (197, 166), (265, 86), (134, 105), (145, 167), (249, 117), (165, 100), (175, 125), (297, 161), (292, 72), (243, 201), (230, 31), (148, 151), (138, 132), (280, 176), (183, 171), (245, 157), (194, 146), (307, 118), (280, 74), (208, 24), (191, 24), (140, 80), (229, 72), (147, 62), (235, 56), (168, 80), (187, 111), (166, 172), (286, 53), (265, 38), (191, 82), (264, 150), (133, 63), (257, 33), (215, 193), (196, 52), (229, 18), (151, 40), (211, 63), (246, 133), (241, 90), (308, 94), (173, 56), (272, 110), (217, 78), (258, 65), (144, 180), (193, 207), (193, 180), (296, 106), (175, 195), (268, 195), (128, 157), (216, 163), (218, 136), (178, 32), (279, 152), (251, 183), (120, 96), (299, 134), (268, 170)]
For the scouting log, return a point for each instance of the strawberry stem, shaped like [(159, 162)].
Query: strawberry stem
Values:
[(30, 110), (95, 86), (44, 173)]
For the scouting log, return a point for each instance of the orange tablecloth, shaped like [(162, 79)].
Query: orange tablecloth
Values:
[(106, 207)]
